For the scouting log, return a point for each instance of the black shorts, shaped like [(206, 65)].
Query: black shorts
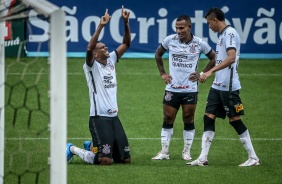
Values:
[(224, 103), (176, 99), (109, 138)]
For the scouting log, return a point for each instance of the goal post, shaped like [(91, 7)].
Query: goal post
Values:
[(58, 89), (2, 100), (58, 93)]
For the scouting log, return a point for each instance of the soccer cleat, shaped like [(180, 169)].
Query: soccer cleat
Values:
[(198, 163), (186, 156), (68, 151), (87, 145), (161, 156), (250, 162)]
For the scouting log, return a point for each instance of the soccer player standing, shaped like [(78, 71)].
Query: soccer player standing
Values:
[(110, 142), (184, 54), (223, 98)]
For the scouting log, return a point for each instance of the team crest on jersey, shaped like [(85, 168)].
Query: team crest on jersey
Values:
[(168, 96), (239, 107), (192, 48), (111, 111), (106, 149), (110, 66)]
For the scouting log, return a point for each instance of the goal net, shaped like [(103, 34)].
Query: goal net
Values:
[(33, 111)]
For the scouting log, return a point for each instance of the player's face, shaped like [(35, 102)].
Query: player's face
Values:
[(101, 50), (183, 30), (212, 22)]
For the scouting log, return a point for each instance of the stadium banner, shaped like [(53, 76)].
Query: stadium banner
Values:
[(258, 23), (14, 35)]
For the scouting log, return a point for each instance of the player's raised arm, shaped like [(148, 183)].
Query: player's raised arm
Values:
[(127, 36), (94, 39)]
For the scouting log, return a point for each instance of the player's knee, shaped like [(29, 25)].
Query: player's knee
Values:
[(105, 161), (168, 117), (209, 124), (188, 118)]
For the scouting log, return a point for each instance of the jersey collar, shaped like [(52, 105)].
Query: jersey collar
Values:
[(192, 36), (224, 29)]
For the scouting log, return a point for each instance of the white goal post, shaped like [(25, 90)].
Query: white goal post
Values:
[(2, 100), (58, 90)]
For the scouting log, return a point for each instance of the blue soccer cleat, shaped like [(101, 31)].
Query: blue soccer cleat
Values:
[(68, 151), (87, 145)]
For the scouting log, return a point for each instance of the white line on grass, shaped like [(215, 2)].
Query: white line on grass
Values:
[(141, 138), (153, 73)]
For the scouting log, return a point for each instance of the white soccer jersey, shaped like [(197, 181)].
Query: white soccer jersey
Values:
[(102, 84), (183, 60), (227, 79)]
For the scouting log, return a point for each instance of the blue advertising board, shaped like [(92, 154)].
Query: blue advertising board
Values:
[(259, 24)]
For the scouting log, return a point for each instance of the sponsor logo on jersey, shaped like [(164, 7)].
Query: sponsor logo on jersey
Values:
[(106, 149), (239, 107), (111, 111), (168, 96), (217, 83), (175, 86), (108, 82)]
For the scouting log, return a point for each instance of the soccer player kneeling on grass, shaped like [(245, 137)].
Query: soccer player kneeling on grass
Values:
[(110, 143)]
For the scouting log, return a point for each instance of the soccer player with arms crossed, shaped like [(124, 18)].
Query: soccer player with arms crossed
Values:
[(223, 98), (184, 54), (110, 142)]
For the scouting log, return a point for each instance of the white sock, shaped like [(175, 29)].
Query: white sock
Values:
[(188, 137), (166, 135), (246, 141), (87, 156), (206, 144)]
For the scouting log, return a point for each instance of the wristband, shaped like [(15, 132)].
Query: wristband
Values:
[(201, 73)]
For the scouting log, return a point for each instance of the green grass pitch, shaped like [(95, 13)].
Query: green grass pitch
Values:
[(140, 92)]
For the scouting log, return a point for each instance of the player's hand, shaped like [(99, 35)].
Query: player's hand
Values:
[(204, 76), (105, 19), (125, 14), (194, 76), (167, 78)]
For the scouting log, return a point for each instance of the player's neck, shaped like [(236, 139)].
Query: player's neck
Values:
[(222, 26), (102, 61), (187, 39)]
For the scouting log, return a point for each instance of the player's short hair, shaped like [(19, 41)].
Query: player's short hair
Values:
[(184, 17), (217, 13)]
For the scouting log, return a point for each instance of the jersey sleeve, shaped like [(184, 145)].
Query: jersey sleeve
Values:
[(205, 47), (113, 57), (230, 41), (166, 41)]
